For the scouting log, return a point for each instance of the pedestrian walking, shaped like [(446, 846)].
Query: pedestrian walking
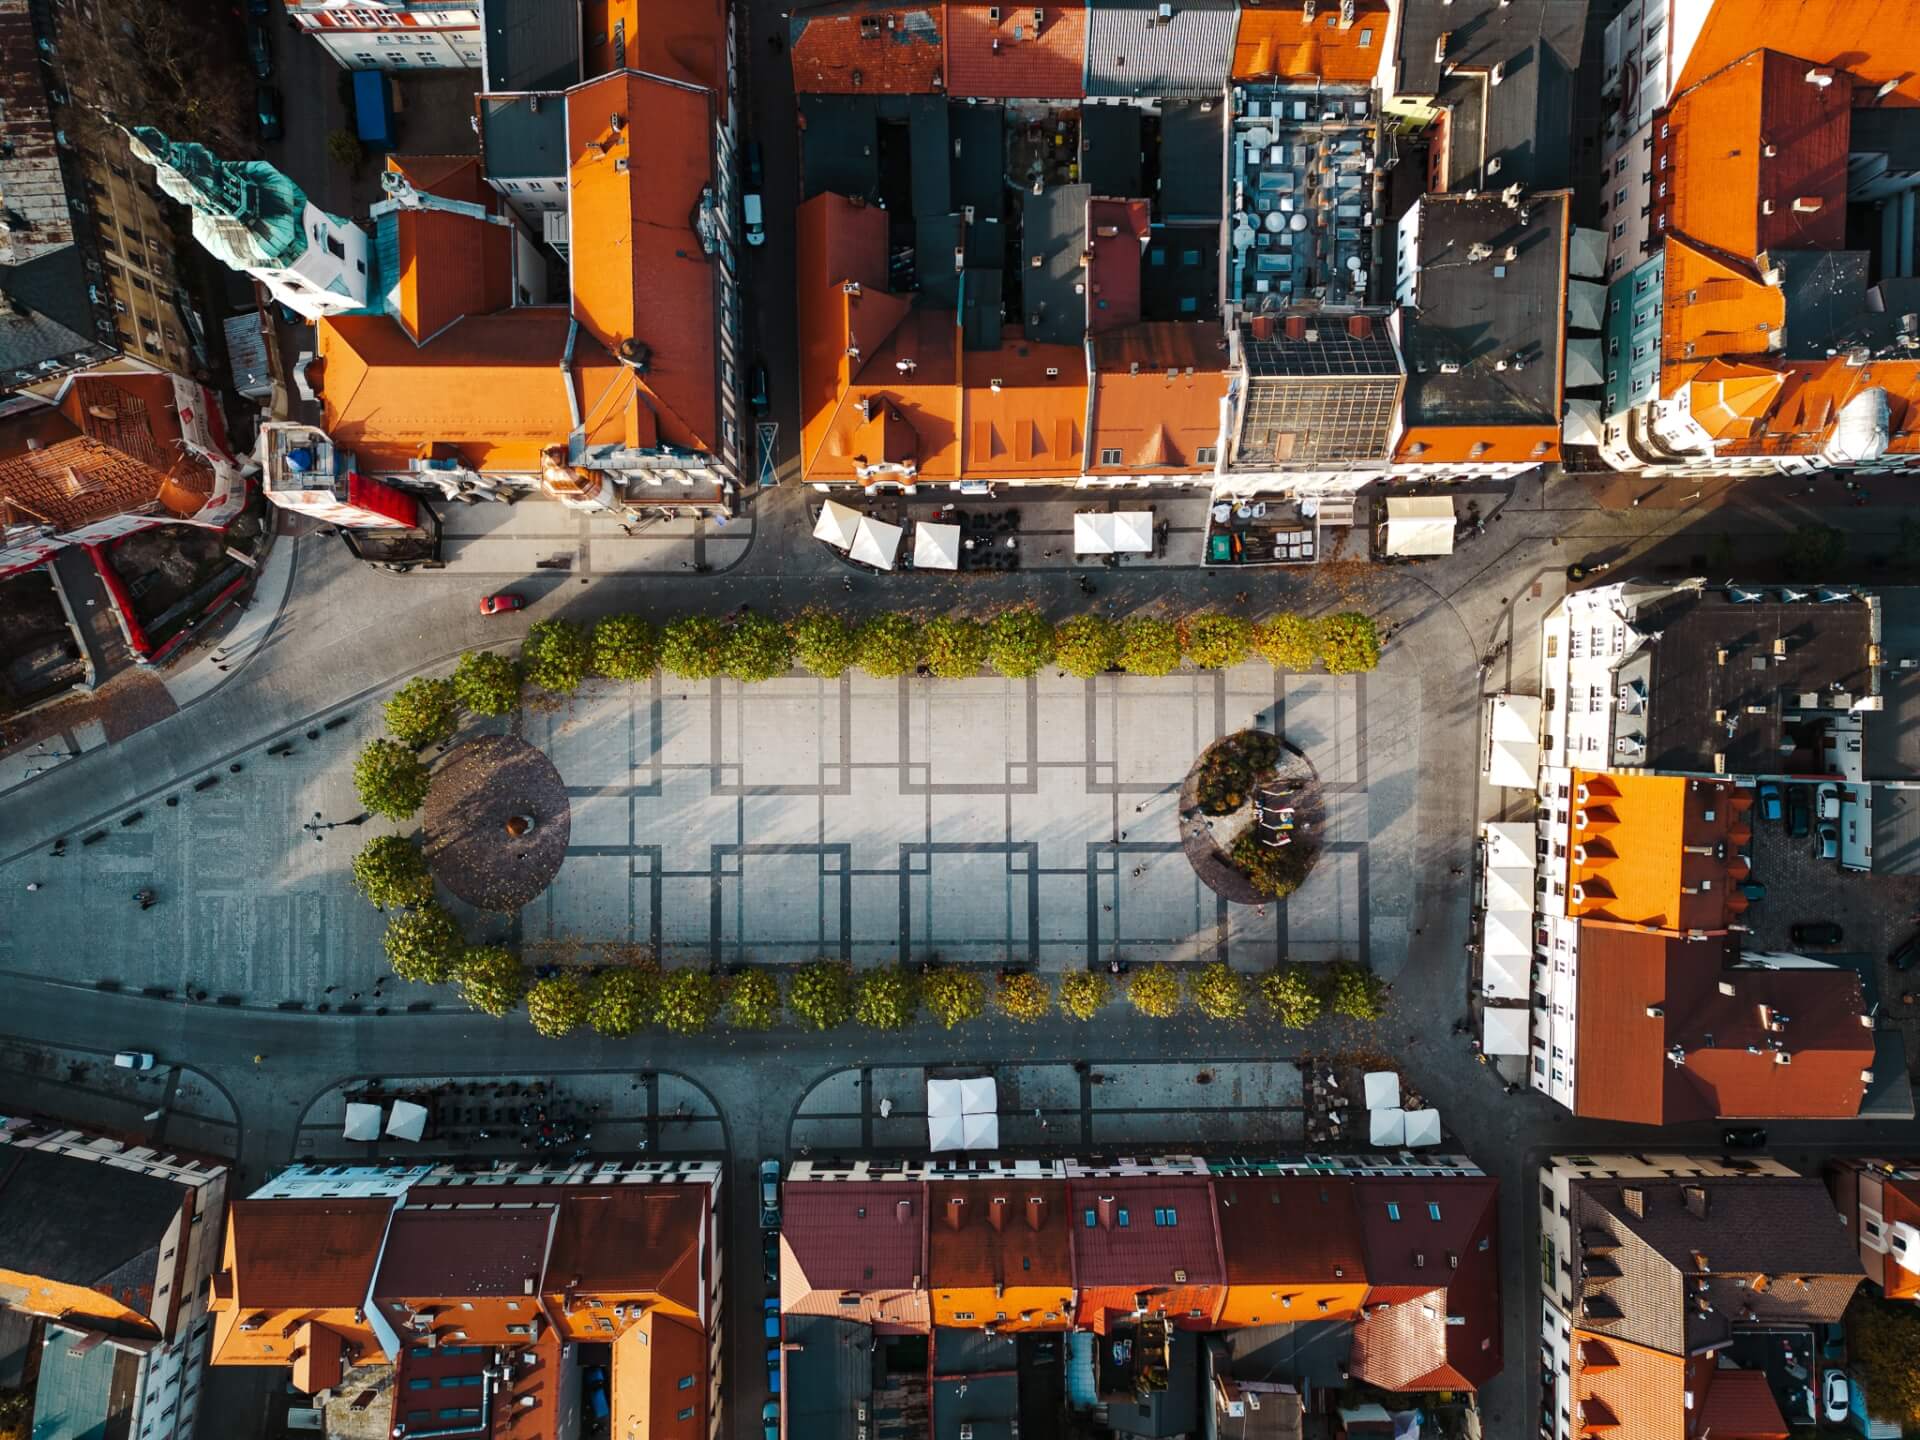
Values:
[(1457, 871), (1136, 872), (259, 1059), (354, 996), (1260, 912), (32, 885), (330, 989)]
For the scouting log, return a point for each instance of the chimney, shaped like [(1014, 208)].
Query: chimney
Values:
[(1697, 1199), (903, 1212), (997, 1212), (1296, 327), (956, 1212), (1807, 205), (1036, 1211), (1360, 327), (1634, 1199), (1104, 1207)]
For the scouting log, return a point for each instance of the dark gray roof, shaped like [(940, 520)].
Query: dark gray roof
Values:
[(988, 1405), (50, 317), (973, 1352), (1110, 158), (1336, 351), (838, 149), (1830, 306), (830, 1372), (1892, 133), (1192, 160), (980, 159), (934, 239), (1529, 114), (980, 304), (1054, 232), (1130, 52), (523, 137), (80, 1222), (1313, 1351), (932, 168), (1180, 273), (1476, 314), (531, 44), (1174, 1410)]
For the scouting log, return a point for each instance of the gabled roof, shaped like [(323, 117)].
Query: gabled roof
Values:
[(1729, 1068), (630, 1239), (448, 265), (305, 1254), (1872, 38), (855, 1250), (1757, 157), (1012, 1233), (1168, 1238), (640, 271), (439, 1254), (1713, 306), (451, 177), (1289, 1229), (1436, 1269), (1280, 42), (685, 41), (1030, 425), (1640, 857), (1732, 401), (1739, 1405), (1626, 1391), (1046, 62), (868, 47)]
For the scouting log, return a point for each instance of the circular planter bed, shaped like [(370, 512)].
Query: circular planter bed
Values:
[(1219, 833), (496, 822)]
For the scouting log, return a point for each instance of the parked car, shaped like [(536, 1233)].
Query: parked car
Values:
[(266, 109), (1743, 1137), (1797, 821), (754, 213), (773, 1369), (1770, 802), (1816, 932), (770, 1258), (1903, 957), (755, 171), (770, 1318), (770, 1420), (1826, 800), (1837, 1396), (501, 603), (133, 1060), (259, 50), (1829, 843), (757, 387), (770, 1194)]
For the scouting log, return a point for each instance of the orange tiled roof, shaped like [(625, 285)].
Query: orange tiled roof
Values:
[(1712, 307), (1158, 422), (869, 47), (1875, 39), (1629, 848), (1732, 401), (1481, 444), (1625, 1391), (1756, 158), (639, 271), (489, 390), (1279, 42), (1031, 426), (684, 41), (1044, 64), (450, 265)]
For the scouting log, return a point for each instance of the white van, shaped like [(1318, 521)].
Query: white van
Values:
[(755, 216)]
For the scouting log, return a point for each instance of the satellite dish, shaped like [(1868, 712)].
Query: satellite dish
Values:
[(1277, 222), (1299, 221), (1353, 262)]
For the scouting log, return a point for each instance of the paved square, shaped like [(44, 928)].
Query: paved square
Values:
[(979, 821)]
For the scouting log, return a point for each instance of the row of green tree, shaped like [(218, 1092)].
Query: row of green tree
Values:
[(424, 944)]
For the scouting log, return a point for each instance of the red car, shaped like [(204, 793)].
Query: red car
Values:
[(503, 602)]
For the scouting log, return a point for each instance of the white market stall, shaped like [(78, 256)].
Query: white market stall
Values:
[(1383, 1089), (1512, 760), (980, 1132), (837, 525), (963, 1114), (363, 1121), (1133, 531), (875, 543), (1387, 1127), (1423, 1128), (1509, 890), (407, 1121), (936, 546), (1504, 1030), (1510, 844), (1093, 534), (1419, 525)]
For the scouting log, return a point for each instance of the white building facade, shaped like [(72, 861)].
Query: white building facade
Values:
[(393, 34)]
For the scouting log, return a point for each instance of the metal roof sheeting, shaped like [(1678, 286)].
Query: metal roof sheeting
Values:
[(1132, 49)]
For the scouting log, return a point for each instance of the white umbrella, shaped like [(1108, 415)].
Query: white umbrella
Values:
[(943, 1099), (837, 525), (1509, 890), (935, 546), (1133, 530), (1509, 844), (875, 543), (946, 1132), (407, 1121), (1383, 1089), (1423, 1127), (1504, 1031), (363, 1121), (979, 1096), (1508, 932), (1388, 1126), (982, 1132), (1093, 534)]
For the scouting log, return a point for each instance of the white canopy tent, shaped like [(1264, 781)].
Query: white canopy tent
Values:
[(1513, 742), (1583, 363), (946, 1132), (1509, 844), (1504, 977), (1133, 531), (875, 543), (1504, 1030), (936, 546), (980, 1132), (837, 525), (1387, 1127), (963, 1114), (1093, 534), (1423, 1128), (1508, 932), (407, 1121), (1586, 305), (1509, 890), (1420, 525), (1383, 1089), (363, 1121), (1582, 425), (1587, 253)]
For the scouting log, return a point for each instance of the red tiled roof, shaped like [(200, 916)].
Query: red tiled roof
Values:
[(1412, 1344), (1047, 63), (305, 1254), (685, 41), (1283, 42), (1030, 426), (452, 177), (1147, 407), (863, 1238), (1729, 1069), (1115, 229), (1289, 1228), (1756, 158), (868, 47), (626, 1239), (1145, 1253), (1739, 1405), (1011, 1233), (1875, 39), (440, 1253), (639, 271), (1626, 1391)]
